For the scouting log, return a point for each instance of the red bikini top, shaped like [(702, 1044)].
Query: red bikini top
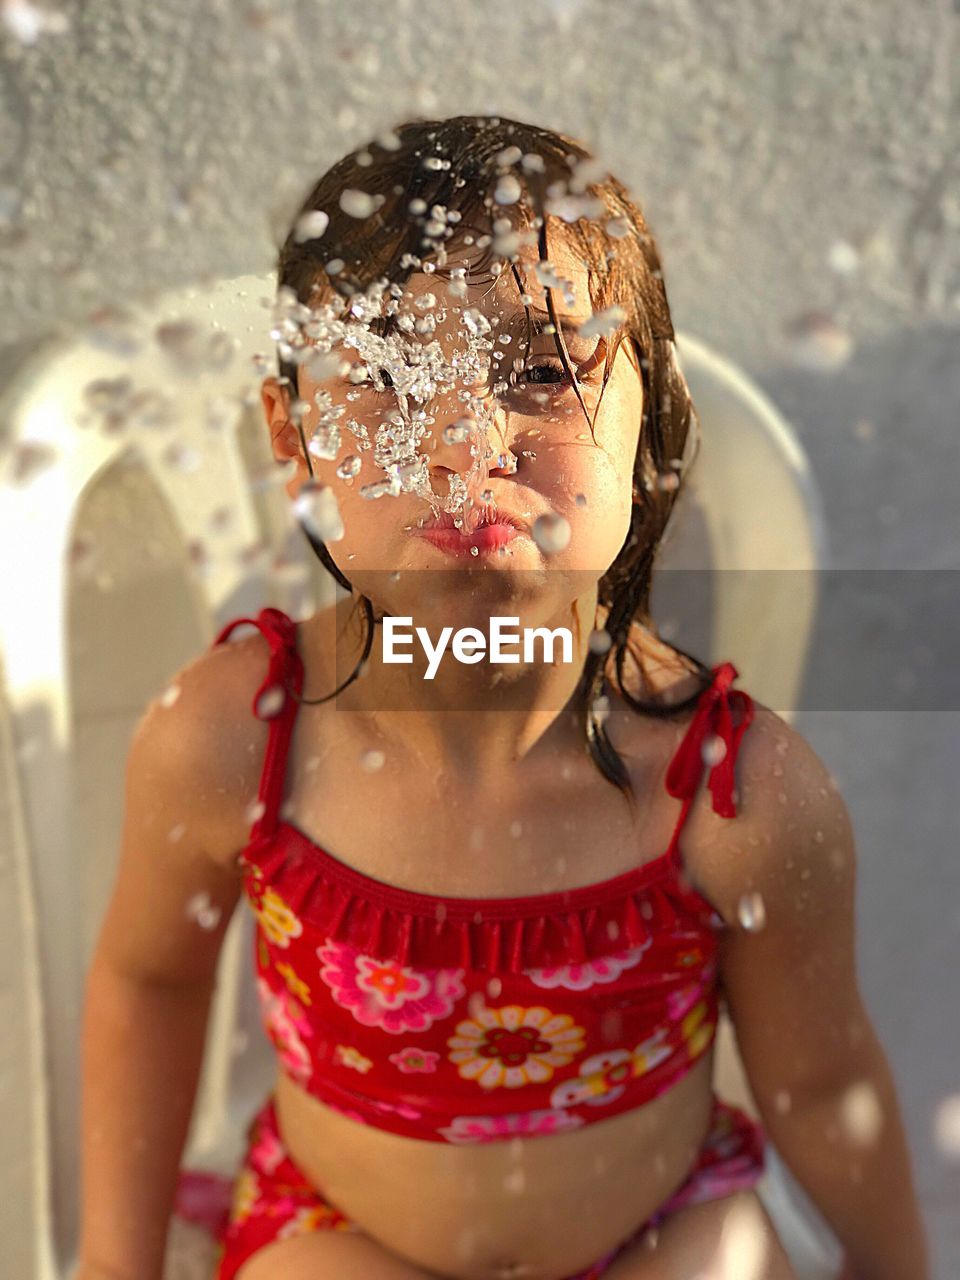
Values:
[(474, 1019)]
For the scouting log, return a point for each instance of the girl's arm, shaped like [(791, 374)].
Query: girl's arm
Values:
[(817, 1071), (149, 988)]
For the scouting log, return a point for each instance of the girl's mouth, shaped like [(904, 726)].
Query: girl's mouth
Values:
[(488, 537), (493, 530)]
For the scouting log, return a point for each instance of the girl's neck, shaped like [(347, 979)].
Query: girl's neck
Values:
[(480, 719)]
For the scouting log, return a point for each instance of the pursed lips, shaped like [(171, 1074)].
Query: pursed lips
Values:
[(489, 515)]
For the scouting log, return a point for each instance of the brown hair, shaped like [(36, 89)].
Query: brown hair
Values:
[(455, 164)]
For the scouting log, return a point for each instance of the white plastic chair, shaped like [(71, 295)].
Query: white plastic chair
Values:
[(85, 646)]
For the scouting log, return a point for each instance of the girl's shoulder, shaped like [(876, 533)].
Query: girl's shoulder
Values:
[(202, 725), (220, 691), (791, 819)]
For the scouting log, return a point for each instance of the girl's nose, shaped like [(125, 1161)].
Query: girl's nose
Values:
[(463, 445)]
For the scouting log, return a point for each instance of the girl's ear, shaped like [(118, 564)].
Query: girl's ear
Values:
[(284, 437)]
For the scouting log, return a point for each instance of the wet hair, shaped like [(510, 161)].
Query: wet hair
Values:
[(456, 164)]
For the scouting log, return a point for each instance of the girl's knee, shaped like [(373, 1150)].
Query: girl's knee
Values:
[(732, 1238)]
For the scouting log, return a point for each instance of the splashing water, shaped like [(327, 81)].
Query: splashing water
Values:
[(713, 750), (861, 1113), (311, 226), (551, 533), (170, 695), (751, 912), (599, 641), (405, 360), (203, 911), (947, 1126), (254, 812), (316, 508), (270, 703)]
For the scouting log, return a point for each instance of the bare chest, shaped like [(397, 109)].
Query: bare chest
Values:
[(550, 825)]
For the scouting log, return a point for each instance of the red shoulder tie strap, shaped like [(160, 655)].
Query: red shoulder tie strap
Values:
[(712, 738), (274, 703)]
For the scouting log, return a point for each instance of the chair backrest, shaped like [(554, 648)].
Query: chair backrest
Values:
[(111, 592)]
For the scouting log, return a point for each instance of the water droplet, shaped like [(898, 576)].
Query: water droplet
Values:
[(381, 488), (861, 1113), (177, 833), (817, 342), (947, 1126), (515, 1181), (551, 533), (603, 322), (494, 988), (864, 429), (508, 156), (349, 467), (26, 22), (270, 702), (458, 431), (311, 226), (599, 641), (713, 750), (29, 460), (843, 258), (358, 204), (254, 812), (508, 189), (114, 331), (601, 708), (782, 1101), (192, 346), (516, 827), (372, 760), (170, 695), (316, 507), (203, 911), (751, 912), (182, 458)]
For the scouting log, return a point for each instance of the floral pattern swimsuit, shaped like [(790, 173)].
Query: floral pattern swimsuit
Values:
[(475, 1020)]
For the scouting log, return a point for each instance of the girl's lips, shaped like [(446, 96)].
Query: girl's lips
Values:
[(489, 537)]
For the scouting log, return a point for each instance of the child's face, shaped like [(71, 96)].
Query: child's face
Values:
[(561, 467)]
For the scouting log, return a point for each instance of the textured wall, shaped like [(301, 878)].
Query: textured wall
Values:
[(147, 144)]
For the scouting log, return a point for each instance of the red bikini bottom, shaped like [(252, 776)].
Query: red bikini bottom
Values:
[(272, 1200)]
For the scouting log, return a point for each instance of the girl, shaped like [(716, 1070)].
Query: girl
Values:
[(490, 969)]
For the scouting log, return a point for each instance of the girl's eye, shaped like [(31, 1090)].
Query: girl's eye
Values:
[(546, 374), (552, 373)]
